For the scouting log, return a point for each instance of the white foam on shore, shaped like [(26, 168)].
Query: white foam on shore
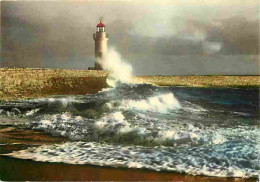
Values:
[(191, 160)]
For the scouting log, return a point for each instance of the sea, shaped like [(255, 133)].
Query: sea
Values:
[(197, 131)]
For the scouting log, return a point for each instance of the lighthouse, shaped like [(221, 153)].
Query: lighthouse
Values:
[(100, 38)]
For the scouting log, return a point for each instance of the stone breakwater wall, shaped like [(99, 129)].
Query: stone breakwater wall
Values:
[(17, 83), (203, 81)]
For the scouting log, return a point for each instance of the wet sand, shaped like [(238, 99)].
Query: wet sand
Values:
[(22, 170)]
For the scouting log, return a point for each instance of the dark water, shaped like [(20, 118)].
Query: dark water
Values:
[(199, 131)]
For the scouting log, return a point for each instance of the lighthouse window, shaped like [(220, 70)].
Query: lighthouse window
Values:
[(100, 29)]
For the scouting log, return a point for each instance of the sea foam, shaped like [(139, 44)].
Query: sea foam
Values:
[(210, 161)]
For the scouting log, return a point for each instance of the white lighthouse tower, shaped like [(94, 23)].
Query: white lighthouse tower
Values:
[(100, 38)]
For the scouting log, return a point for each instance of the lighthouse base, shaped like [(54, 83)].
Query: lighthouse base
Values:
[(91, 68), (95, 68)]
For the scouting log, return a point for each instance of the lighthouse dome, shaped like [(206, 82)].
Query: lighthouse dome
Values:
[(100, 24)]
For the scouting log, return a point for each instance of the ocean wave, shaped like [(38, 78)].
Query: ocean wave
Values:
[(140, 129), (160, 103)]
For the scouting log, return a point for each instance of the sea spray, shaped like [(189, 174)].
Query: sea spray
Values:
[(119, 70)]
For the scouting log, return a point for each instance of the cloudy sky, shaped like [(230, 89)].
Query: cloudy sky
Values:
[(58, 34)]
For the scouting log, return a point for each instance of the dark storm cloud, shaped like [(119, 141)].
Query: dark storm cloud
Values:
[(20, 46), (235, 36), (59, 34), (240, 36), (41, 41)]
